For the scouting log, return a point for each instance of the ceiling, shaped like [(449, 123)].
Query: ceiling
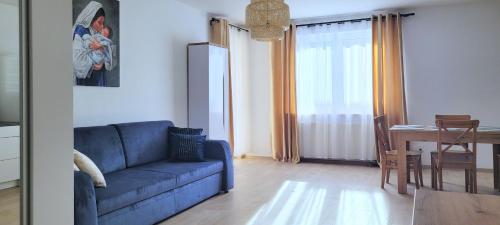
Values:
[(235, 9)]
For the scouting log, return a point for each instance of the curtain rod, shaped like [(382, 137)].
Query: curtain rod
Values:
[(346, 21), (215, 20)]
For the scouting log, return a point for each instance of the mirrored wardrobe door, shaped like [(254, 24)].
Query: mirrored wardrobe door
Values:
[(10, 112)]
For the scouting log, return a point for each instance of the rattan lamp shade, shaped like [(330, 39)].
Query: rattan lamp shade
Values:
[(267, 19)]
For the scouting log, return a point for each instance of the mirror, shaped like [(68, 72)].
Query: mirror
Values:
[(10, 112)]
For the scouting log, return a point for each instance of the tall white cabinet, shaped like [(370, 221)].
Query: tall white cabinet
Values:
[(208, 90)]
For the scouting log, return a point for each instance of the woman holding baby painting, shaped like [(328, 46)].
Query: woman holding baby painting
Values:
[(90, 22)]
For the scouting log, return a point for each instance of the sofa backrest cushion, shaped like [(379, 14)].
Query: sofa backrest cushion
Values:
[(102, 145), (144, 142)]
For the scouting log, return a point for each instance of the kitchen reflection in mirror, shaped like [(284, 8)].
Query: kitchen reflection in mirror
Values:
[(9, 113)]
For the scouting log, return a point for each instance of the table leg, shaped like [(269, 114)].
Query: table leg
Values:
[(401, 144), (496, 152)]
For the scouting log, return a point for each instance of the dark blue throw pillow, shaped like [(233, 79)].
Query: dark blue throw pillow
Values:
[(187, 131), (187, 148), (179, 130)]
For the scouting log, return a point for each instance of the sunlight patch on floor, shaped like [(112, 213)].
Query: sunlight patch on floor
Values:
[(361, 207), (294, 203)]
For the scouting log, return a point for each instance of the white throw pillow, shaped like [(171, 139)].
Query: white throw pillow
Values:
[(75, 168), (85, 164)]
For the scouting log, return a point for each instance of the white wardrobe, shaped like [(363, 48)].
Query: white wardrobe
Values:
[(208, 90)]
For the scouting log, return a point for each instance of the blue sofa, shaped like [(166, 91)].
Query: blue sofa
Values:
[(143, 186)]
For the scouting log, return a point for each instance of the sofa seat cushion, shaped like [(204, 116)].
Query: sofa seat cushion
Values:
[(129, 186), (185, 172)]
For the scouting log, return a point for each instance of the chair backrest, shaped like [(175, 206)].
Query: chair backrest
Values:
[(453, 117), (456, 132), (382, 135)]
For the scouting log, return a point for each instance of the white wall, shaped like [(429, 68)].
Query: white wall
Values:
[(452, 56), (51, 113), (260, 91), (9, 63), (154, 35)]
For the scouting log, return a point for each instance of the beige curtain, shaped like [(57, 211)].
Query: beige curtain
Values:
[(284, 102), (219, 32), (388, 79), (219, 35)]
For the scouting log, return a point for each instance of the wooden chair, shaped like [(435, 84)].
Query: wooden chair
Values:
[(453, 117), (497, 157), (389, 157), (433, 173), (455, 133)]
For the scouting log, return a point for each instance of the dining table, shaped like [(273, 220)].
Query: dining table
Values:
[(403, 135)]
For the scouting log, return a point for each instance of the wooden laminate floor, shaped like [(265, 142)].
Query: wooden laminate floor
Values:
[(272, 193), (9, 206)]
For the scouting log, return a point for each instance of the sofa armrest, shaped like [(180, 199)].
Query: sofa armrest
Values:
[(220, 150), (85, 201)]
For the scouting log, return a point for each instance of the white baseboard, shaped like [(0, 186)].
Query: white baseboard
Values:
[(9, 184)]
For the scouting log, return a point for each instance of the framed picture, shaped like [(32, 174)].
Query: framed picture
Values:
[(96, 43)]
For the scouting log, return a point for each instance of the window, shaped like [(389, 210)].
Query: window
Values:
[(334, 69), (334, 91)]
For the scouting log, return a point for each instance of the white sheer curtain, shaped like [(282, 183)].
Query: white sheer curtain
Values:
[(239, 44), (334, 91)]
